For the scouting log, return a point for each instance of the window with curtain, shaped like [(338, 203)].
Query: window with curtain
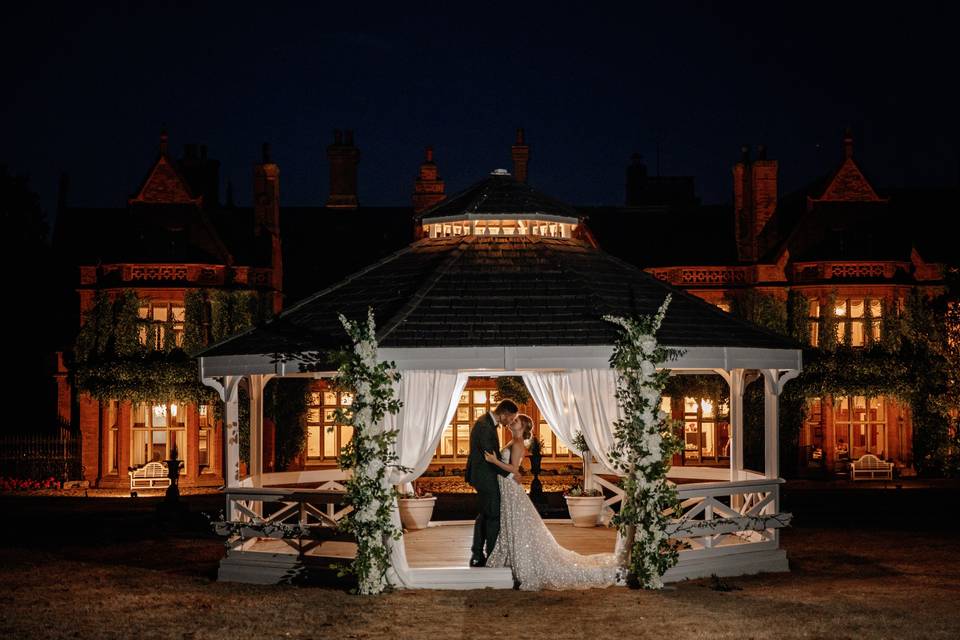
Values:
[(156, 317), (860, 425), (858, 319), (205, 458), (326, 438), (156, 429)]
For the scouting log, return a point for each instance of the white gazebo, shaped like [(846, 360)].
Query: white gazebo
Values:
[(503, 282)]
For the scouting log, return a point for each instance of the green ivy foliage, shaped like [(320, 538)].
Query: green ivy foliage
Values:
[(370, 455), (512, 387), (109, 361), (914, 361), (645, 443)]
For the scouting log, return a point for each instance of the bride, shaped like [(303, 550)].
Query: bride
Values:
[(526, 545)]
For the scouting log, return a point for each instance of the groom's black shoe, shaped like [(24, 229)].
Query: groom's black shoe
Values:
[(477, 561)]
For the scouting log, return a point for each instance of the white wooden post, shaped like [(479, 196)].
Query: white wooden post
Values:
[(737, 382), (771, 423), (228, 392)]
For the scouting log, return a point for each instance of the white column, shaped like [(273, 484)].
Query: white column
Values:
[(771, 423), (231, 431), (231, 437), (737, 383), (256, 429)]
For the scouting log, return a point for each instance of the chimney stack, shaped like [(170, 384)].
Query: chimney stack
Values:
[(428, 188), (266, 220), (521, 157), (754, 201), (343, 157)]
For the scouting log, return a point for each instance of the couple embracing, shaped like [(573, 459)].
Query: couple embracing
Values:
[(508, 531)]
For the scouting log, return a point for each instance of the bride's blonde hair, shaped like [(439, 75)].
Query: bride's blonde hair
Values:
[(527, 423)]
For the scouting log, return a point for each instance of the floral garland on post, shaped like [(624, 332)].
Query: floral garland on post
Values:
[(370, 454), (644, 446)]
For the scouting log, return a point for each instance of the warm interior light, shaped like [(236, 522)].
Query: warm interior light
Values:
[(840, 309)]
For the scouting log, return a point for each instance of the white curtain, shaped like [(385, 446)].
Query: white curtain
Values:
[(429, 399), (596, 400), (551, 391), (578, 400)]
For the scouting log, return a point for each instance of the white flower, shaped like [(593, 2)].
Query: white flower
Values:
[(648, 368)]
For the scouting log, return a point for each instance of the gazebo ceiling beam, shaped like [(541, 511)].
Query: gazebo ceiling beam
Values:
[(499, 359)]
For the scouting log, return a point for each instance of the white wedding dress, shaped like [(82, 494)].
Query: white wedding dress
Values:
[(526, 545)]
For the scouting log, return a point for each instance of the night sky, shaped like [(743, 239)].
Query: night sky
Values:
[(89, 90)]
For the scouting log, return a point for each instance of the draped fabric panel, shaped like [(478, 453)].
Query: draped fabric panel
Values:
[(595, 396), (551, 391), (429, 401)]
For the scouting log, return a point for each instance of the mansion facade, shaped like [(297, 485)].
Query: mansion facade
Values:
[(184, 255)]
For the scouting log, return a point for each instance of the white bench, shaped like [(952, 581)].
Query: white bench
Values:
[(152, 475), (870, 467)]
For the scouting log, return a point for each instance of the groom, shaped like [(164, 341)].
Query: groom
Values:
[(483, 476)]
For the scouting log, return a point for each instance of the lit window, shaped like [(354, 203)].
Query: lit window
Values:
[(706, 430), (860, 426), (157, 429), (813, 322), (853, 323), (325, 437), (155, 320)]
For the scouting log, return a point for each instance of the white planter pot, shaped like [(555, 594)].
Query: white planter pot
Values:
[(585, 510), (415, 513)]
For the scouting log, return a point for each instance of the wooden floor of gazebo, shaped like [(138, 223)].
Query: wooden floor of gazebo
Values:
[(447, 544)]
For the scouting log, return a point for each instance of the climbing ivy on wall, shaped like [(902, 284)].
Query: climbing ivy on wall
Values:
[(914, 361), (110, 362)]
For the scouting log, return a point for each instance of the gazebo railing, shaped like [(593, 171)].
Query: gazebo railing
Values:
[(718, 517), (291, 515)]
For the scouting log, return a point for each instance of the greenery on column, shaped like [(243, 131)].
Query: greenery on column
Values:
[(644, 446), (370, 455)]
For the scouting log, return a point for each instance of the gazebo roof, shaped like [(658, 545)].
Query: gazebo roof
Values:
[(499, 195), (484, 291)]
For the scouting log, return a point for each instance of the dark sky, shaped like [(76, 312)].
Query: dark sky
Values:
[(591, 83)]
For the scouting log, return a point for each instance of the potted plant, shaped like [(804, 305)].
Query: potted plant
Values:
[(584, 505), (416, 508)]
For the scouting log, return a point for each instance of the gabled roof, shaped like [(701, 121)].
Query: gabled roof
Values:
[(848, 184), (496, 290), (165, 184), (499, 194)]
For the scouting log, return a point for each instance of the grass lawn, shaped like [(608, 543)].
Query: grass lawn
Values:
[(104, 568)]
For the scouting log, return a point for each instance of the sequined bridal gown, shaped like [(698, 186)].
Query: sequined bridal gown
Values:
[(527, 546)]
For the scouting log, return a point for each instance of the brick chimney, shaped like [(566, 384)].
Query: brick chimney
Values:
[(344, 157), (266, 220), (754, 200), (428, 188), (521, 157)]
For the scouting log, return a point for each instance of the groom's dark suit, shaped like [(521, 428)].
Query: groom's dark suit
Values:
[(483, 476)]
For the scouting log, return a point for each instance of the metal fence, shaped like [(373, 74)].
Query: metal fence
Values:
[(40, 457)]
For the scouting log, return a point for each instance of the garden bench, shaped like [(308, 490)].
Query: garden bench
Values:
[(870, 467), (152, 475)]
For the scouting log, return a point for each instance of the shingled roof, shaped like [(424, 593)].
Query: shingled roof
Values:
[(499, 194), (493, 291)]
